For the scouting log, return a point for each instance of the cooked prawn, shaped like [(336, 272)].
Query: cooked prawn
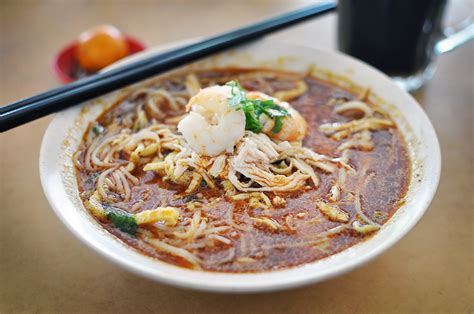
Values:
[(294, 127), (212, 126)]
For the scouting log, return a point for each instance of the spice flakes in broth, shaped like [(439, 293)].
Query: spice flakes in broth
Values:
[(204, 221)]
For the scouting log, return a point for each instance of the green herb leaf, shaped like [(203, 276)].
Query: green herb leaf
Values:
[(121, 219), (252, 123), (273, 109), (238, 94), (97, 129), (254, 108), (278, 125)]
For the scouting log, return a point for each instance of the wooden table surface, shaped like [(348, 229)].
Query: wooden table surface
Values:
[(45, 269)]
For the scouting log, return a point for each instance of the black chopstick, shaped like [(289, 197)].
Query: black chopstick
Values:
[(32, 108)]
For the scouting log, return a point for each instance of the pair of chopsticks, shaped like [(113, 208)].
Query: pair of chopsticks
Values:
[(29, 109)]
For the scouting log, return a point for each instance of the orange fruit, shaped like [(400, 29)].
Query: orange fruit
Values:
[(100, 46)]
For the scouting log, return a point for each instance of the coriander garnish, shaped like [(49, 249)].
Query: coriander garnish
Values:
[(254, 108)]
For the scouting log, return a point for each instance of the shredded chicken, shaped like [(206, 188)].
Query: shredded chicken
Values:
[(251, 168)]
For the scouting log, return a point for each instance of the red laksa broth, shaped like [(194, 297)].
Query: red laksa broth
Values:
[(242, 170)]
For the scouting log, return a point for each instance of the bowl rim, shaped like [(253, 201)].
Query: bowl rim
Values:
[(228, 282)]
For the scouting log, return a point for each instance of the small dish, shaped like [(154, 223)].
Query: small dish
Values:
[(63, 60)]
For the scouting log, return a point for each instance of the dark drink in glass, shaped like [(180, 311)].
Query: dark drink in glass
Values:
[(396, 36)]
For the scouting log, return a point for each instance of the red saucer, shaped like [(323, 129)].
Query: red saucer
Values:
[(63, 61)]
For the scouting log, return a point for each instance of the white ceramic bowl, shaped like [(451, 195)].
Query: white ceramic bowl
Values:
[(67, 127)]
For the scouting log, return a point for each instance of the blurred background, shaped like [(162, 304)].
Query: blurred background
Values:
[(44, 269)]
